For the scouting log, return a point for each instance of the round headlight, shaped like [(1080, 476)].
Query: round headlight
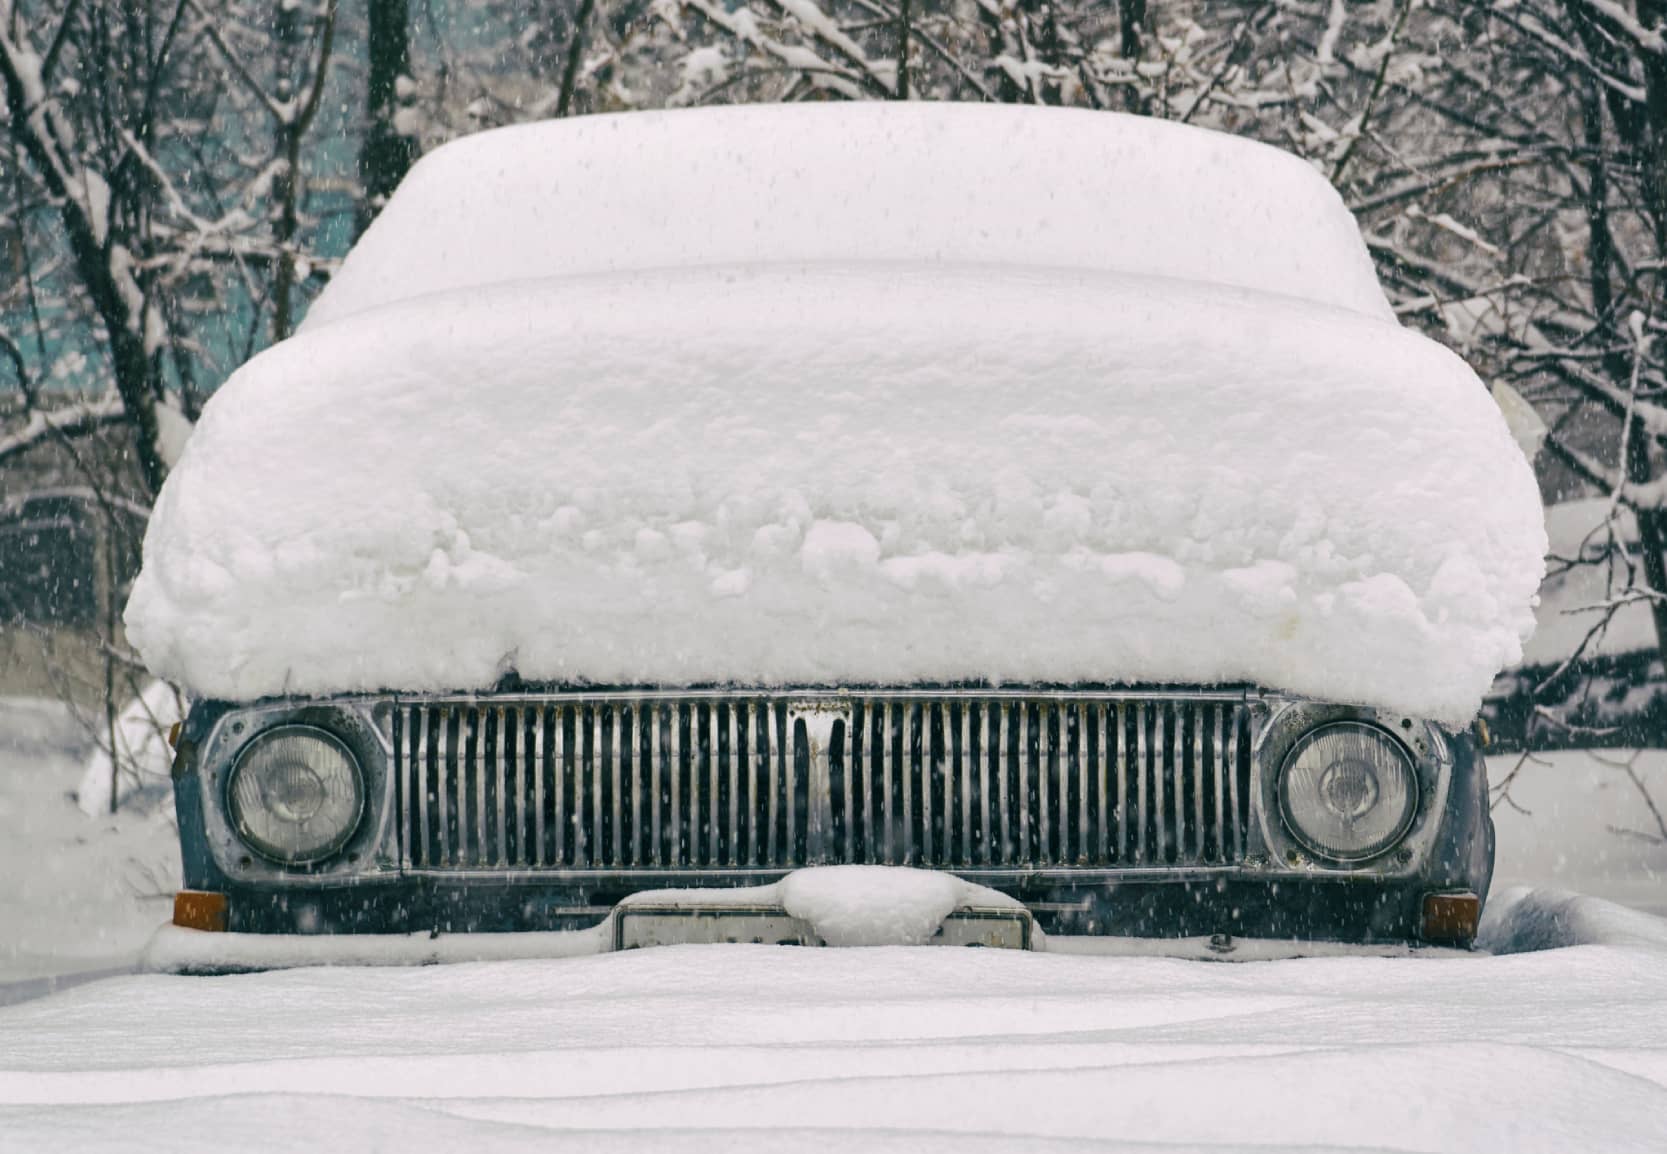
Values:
[(1348, 791), (296, 794)]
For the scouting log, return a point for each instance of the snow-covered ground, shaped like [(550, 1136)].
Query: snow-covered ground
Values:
[(1560, 1047), (80, 894), (743, 1047)]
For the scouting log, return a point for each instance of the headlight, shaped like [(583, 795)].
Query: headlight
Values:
[(1348, 791), (296, 794)]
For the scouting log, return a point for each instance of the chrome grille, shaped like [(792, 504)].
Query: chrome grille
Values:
[(666, 783)]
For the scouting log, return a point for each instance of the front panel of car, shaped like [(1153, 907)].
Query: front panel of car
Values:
[(543, 808)]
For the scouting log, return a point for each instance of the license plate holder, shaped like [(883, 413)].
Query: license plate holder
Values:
[(642, 926)]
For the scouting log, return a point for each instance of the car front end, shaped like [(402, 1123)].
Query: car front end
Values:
[(1154, 813)]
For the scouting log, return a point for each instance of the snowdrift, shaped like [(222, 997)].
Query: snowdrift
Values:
[(817, 470)]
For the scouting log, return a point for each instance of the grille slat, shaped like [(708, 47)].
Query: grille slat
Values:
[(722, 783)]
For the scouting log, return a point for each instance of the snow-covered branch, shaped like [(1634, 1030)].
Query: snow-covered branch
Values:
[(69, 420)]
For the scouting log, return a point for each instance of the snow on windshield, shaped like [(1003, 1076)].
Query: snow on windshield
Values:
[(945, 183), (848, 474)]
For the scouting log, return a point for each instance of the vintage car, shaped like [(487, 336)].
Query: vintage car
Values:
[(497, 624)]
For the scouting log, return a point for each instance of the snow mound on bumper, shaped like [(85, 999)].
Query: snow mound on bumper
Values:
[(848, 474)]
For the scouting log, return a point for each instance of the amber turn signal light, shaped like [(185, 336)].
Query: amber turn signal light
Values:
[(173, 735), (1451, 919), (200, 910)]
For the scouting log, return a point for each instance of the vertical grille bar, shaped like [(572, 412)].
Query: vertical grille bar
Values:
[(1143, 773), (772, 763), (560, 780), (1026, 786), (998, 747), (595, 845), (845, 821), (1196, 714), (1085, 755), (1233, 826), (1059, 781), (1109, 805), (755, 775), (1161, 768), (921, 772), (864, 767), (443, 790), (1044, 786), (501, 774), (635, 807), (1219, 767), (403, 773), (887, 712), (903, 775), (1067, 797), (518, 764), (674, 767), (1124, 850), (714, 792), (697, 827), (656, 751), (984, 803), (540, 794), (474, 803), (963, 766), (419, 760), (733, 765), (1199, 716), (617, 762)]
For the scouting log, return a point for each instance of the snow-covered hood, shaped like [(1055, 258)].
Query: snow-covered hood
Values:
[(868, 473)]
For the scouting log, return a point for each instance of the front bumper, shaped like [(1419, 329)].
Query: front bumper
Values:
[(1357, 911), (685, 918)]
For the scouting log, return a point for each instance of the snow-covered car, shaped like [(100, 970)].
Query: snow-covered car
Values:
[(653, 506)]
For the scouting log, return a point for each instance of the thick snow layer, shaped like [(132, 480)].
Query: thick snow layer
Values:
[(939, 183), (898, 1049), (848, 474)]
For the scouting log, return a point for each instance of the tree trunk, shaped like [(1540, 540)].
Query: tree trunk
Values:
[(386, 155), (903, 33), (1131, 27), (1649, 144), (575, 57)]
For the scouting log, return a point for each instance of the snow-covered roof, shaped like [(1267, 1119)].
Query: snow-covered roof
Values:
[(939, 183)]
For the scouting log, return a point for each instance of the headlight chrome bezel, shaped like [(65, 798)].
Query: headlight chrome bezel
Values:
[(1282, 727), (228, 731), (239, 820), (1384, 843)]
